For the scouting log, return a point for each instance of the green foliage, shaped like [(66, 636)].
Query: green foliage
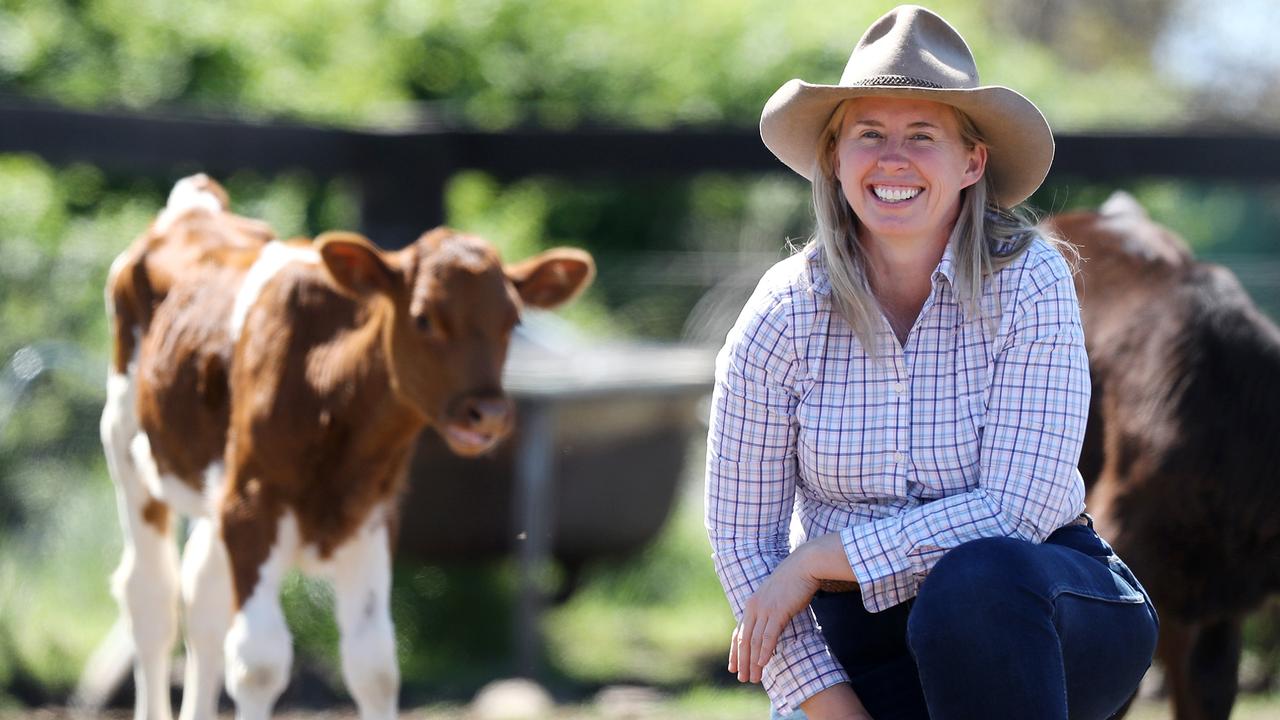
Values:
[(660, 618), (54, 597), (499, 63)]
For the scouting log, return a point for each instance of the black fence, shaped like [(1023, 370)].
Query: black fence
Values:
[(401, 175)]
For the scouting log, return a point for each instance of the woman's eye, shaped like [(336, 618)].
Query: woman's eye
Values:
[(871, 135), (422, 322), (921, 136)]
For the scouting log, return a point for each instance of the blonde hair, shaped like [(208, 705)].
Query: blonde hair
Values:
[(985, 238)]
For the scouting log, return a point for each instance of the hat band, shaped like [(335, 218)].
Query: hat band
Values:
[(895, 81)]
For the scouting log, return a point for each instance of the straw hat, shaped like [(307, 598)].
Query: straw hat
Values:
[(913, 53)]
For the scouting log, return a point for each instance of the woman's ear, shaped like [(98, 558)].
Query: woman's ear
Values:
[(976, 166)]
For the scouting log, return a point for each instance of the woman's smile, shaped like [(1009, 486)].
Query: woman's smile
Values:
[(895, 194)]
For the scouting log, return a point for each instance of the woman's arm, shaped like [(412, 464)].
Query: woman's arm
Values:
[(838, 702), (785, 593), (751, 476)]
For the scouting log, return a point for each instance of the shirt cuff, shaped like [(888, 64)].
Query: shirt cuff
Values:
[(799, 669), (886, 575)]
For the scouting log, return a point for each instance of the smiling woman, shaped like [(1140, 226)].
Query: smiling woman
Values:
[(913, 386), (901, 165)]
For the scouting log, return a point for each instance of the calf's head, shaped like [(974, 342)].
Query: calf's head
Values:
[(448, 306)]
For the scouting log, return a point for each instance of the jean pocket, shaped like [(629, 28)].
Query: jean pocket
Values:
[(1118, 584)]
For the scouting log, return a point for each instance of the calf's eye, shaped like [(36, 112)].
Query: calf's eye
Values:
[(422, 322)]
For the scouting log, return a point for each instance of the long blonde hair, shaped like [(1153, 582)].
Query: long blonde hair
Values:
[(985, 238)]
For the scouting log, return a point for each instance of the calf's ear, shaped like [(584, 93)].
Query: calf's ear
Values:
[(354, 264), (553, 277)]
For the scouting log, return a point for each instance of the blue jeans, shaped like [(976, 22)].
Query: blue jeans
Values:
[(1001, 628)]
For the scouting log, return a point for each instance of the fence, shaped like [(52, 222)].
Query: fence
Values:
[(401, 175)]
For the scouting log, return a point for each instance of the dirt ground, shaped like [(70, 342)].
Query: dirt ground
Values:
[(639, 708)]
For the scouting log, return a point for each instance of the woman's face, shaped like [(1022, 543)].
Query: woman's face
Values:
[(901, 165)]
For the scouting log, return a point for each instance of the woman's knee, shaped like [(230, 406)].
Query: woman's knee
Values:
[(987, 577), (980, 568)]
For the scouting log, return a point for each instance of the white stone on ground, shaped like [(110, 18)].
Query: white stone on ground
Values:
[(513, 699)]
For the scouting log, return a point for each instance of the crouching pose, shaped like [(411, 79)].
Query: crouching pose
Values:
[(913, 386)]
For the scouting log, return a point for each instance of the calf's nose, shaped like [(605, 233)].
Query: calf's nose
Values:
[(488, 414)]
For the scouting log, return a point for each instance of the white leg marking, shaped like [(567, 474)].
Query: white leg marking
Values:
[(206, 592), (259, 648), (168, 488), (362, 587), (275, 255), (146, 583)]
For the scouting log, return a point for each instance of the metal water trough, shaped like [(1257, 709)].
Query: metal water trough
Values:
[(618, 421), (590, 472)]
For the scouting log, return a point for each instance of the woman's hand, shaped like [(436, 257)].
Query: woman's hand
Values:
[(784, 593)]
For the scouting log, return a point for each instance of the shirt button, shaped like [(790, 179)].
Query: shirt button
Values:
[(900, 388), (900, 458)]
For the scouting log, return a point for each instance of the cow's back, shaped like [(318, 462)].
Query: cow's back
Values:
[(314, 416), (183, 369), (171, 295)]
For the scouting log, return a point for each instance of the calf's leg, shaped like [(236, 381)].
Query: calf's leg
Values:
[(362, 586), (146, 582), (206, 593), (258, 647)]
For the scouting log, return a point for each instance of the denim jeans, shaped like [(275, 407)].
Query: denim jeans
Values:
[(1001, 628)]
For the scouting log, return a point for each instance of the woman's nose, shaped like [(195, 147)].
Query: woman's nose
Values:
[(892, 158)]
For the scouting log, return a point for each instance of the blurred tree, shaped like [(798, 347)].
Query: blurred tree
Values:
[(499, 63)]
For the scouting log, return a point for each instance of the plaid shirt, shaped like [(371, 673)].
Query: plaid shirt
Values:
[(972, 430)]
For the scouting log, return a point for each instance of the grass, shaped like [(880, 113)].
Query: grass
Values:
[(55, 600), (658, 620)]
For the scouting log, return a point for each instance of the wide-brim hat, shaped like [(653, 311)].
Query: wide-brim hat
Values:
[(913, 53)]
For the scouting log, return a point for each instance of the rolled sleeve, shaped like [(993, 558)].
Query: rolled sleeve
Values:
[(751, 479)]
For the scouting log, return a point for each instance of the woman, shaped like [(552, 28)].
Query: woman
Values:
[(914, 385)]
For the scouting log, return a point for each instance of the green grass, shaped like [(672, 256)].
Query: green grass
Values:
[(660, 618), (55, 600)]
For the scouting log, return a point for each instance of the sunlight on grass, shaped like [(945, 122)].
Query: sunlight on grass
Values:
[(54, 589)]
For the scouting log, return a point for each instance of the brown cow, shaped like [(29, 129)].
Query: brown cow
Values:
[(273, 392), (1181, 455)]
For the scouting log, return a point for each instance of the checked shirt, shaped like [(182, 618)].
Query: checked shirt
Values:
[(971, 430)]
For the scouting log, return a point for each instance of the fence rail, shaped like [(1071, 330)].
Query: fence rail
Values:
[(401, 175)]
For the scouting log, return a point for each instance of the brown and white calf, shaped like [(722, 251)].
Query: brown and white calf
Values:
[(273, 392)]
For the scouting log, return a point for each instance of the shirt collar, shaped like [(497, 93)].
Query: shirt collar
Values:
[(821, 284), (946, 266)]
